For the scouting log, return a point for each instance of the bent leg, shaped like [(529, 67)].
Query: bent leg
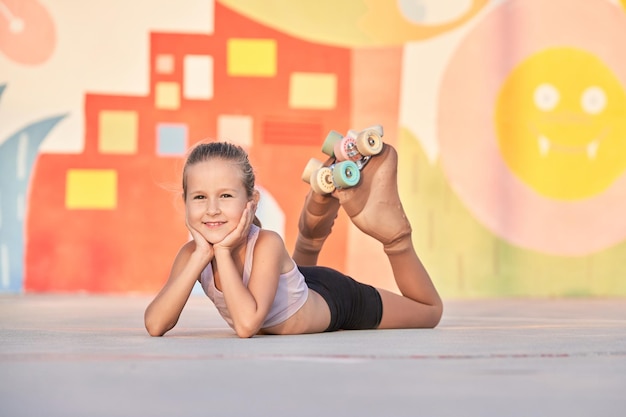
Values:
[(374, 207), (401, 312), (316, 221)]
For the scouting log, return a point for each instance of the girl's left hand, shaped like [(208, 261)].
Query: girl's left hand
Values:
[(240, 234)]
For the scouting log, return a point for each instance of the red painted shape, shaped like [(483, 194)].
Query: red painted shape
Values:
[(131, 248)]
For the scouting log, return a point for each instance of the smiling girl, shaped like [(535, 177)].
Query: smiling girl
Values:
[(257, 287)]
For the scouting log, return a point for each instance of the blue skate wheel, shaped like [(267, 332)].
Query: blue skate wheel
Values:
[(346, 174)]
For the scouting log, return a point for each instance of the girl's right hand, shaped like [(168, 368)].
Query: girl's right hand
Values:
[(203, 247)]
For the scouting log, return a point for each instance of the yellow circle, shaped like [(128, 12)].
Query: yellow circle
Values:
[(561, 123)]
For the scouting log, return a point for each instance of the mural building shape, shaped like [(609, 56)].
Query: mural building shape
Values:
[(122, 193)]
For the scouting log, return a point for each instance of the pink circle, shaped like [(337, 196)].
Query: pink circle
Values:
[(27, 32), (468, 145)]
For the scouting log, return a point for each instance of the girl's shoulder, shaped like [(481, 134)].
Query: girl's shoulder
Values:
[(269, 242), (270, 236), (271, 245)]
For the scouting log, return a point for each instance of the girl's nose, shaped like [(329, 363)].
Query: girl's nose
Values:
[(213, 208)]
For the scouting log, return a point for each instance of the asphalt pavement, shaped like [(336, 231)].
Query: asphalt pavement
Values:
[(86, 355)]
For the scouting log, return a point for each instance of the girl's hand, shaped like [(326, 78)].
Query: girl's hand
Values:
[(203, 246), (240, 234)]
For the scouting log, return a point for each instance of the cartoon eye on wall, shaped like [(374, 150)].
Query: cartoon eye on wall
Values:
[(546, 97), (593, 100)]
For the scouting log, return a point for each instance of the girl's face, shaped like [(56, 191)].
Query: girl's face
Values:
[(216, 198)]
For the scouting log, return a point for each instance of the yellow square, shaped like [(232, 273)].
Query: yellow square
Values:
[(251, 57), (91, 189), (312, 91), (167, 96), (117, 132)]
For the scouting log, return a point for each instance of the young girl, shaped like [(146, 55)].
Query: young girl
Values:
[(257, 287)]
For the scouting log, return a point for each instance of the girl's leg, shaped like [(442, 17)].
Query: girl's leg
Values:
[(374, 207), (316, 221)]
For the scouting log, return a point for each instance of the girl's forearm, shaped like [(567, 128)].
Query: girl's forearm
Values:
[(241, 303), (164, 311)]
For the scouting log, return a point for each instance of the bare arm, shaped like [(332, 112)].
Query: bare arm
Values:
[(249, 305), (163, 312)]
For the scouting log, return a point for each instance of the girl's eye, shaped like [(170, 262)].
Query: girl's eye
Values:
[(199, 197), (226, 195)]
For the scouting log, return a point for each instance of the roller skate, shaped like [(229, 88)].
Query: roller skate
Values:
[(349, 154)]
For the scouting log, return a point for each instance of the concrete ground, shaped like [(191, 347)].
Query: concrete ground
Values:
[(86, 356)]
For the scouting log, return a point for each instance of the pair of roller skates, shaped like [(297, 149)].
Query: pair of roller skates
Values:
[(350, 153)]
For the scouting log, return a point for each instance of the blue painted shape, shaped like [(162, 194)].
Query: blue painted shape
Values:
[(17, 159), (171, 139), (415, 11)]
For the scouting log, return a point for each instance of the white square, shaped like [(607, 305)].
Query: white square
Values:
[(198, 77), (235, 128)]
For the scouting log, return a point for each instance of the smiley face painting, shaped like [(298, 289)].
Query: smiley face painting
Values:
[(532, 138), (561, 123)]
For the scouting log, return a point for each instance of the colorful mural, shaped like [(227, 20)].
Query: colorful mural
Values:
[(134, 145), (509, 117)]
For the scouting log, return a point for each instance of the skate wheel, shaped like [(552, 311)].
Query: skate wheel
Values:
[(369, 142), (378, 129), (329, 143), (346, 150), (346, 174), (352, 134), (322, 181), (311, 166)]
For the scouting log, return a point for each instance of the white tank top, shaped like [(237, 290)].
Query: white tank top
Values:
[(291, 294)]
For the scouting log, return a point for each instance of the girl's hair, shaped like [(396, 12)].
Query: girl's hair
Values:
[(229, 152)]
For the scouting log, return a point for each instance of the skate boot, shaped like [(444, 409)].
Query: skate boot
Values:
[(374, 204)]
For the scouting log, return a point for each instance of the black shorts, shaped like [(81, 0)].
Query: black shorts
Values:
[(353, 305)]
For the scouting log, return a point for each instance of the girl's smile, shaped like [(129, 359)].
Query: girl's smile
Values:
[(214, 224)]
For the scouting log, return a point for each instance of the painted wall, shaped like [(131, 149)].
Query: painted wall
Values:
[(509, 117)]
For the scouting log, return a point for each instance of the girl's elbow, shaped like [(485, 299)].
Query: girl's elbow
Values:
[(244, 334), (246, 331), (156, 329), (154, 332)]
